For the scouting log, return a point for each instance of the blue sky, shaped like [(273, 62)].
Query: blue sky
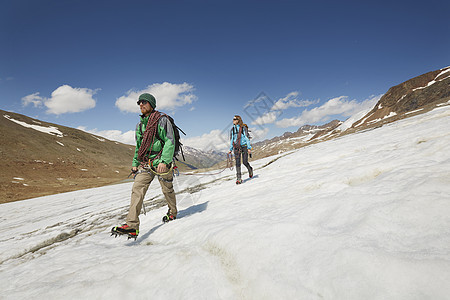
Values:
[(82, 63)]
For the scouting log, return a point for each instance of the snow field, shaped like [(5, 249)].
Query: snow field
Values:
[(365, 216)]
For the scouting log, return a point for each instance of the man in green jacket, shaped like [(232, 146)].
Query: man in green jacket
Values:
[(155, 146)]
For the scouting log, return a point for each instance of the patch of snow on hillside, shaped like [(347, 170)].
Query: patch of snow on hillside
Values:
[(401, 98), (413, 111), (434, 80), (303, 138), (49, 130), (368, 106), (390, 115), (100, 139)]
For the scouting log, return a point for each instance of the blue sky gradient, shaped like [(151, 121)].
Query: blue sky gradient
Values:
[(69, 62)]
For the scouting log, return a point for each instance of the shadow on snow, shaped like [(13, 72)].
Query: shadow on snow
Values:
[(181, 214)]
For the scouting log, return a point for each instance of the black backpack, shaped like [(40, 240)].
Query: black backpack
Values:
[(176, 136)]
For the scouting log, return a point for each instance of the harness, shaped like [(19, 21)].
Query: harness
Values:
[(147, 168)]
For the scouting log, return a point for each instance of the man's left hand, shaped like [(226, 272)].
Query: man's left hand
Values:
[(162, 168)]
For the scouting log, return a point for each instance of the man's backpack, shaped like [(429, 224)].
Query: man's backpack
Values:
[(176, 136)]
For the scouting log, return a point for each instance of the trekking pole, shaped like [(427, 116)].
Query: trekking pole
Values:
[(143, 206)]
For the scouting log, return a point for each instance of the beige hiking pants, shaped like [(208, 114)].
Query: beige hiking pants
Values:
[(140, 187)]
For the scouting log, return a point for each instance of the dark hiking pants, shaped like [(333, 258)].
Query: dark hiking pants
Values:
[(237, 154)]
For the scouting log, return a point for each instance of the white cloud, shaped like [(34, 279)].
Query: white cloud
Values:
[(67, 99), (64, 99), (214, 140), (34, 99), (336, 106), (258, 134), (113, 135), (364, 108), (168, 96), (267, 118), (220, 140), (275, 111), (291, 101)]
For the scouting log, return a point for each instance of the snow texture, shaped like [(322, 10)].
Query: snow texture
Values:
[(364, 216)]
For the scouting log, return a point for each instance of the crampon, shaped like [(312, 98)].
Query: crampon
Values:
[(125, 230)]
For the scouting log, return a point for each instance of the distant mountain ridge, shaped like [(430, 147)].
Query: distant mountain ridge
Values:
[(201, 159), (292, 140)]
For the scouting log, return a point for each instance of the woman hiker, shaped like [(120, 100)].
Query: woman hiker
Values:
[(240, 143)]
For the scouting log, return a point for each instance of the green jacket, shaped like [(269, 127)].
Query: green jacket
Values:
[(165, 134)]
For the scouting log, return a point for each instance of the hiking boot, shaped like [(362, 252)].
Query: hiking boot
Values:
[(168, 217), (125, 229), (250, 173), (239, 181)]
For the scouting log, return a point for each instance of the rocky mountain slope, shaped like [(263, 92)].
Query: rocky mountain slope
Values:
[(417, 95), (292, 140), (39, 158)]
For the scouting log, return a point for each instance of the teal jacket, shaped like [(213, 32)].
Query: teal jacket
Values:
[(245, 141), (164, 140)]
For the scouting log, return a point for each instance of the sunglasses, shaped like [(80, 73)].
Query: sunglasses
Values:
[(142, 101), (234, 119)]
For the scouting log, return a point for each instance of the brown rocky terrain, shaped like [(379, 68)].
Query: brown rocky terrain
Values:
[(35, 163), (292, 140), (417, 95)]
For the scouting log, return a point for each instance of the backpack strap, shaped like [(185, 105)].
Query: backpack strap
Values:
[(237, 144)]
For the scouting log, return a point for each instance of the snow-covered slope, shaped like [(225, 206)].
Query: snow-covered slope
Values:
[(364, 216)]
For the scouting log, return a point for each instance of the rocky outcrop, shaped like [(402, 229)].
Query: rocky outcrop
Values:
[(419, 93)]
